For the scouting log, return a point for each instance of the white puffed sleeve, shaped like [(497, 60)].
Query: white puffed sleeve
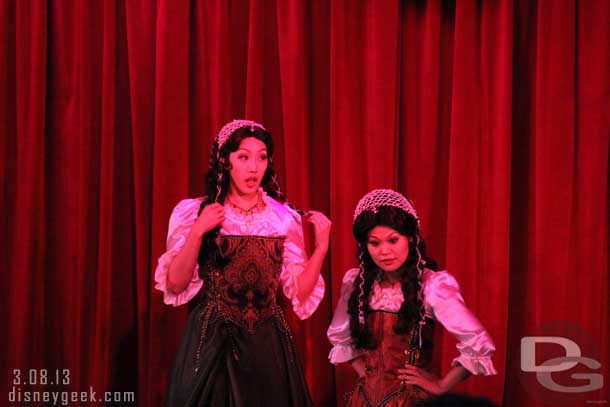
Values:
[(338, 332), (445, 303), (180, 223), (295, 260)]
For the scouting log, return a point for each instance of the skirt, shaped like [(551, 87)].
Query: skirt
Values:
[(221, 364)]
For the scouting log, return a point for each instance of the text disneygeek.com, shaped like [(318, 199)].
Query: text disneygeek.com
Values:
[(22, 393), (65, 398)]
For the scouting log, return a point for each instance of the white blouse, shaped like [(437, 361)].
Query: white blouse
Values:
[(275, 220), (443, 303)]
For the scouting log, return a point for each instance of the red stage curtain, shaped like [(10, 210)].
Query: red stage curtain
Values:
[(493, 116)]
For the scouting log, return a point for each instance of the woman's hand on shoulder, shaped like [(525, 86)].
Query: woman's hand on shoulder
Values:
[(321, 225), (211, 217)]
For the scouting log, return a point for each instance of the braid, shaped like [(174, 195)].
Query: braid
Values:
[(217, 179), (420, 291), (273, 190), (216, 187), (358, 303), (408, 314), (361, 290)]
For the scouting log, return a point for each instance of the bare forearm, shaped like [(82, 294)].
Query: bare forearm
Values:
[(308, 279), (455, 376), (359, 366), (417, 376), (180, 271)]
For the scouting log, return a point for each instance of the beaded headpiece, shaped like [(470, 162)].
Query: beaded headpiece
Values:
[(229, 128), (372, 202), (384, 197)]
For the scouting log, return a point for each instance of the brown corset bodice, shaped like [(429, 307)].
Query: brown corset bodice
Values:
[(381, 387), (392, 349), (244, 289)]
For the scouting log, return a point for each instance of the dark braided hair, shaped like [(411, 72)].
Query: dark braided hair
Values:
[(216, 191), (409, 313)]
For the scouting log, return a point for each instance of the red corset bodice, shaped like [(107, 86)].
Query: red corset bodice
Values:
[(244, 288)]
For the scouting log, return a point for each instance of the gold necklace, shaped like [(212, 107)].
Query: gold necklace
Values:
[(255, 208)]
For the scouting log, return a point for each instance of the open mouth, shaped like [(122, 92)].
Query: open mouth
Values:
[(252, 181)]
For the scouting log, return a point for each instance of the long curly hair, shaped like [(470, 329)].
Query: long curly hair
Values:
[(218, 181), (411, 309)]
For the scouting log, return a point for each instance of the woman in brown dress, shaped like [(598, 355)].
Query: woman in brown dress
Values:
[(387, 309)]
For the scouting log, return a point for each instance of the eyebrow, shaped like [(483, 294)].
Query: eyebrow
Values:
[(248, 150), (389, 236)]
